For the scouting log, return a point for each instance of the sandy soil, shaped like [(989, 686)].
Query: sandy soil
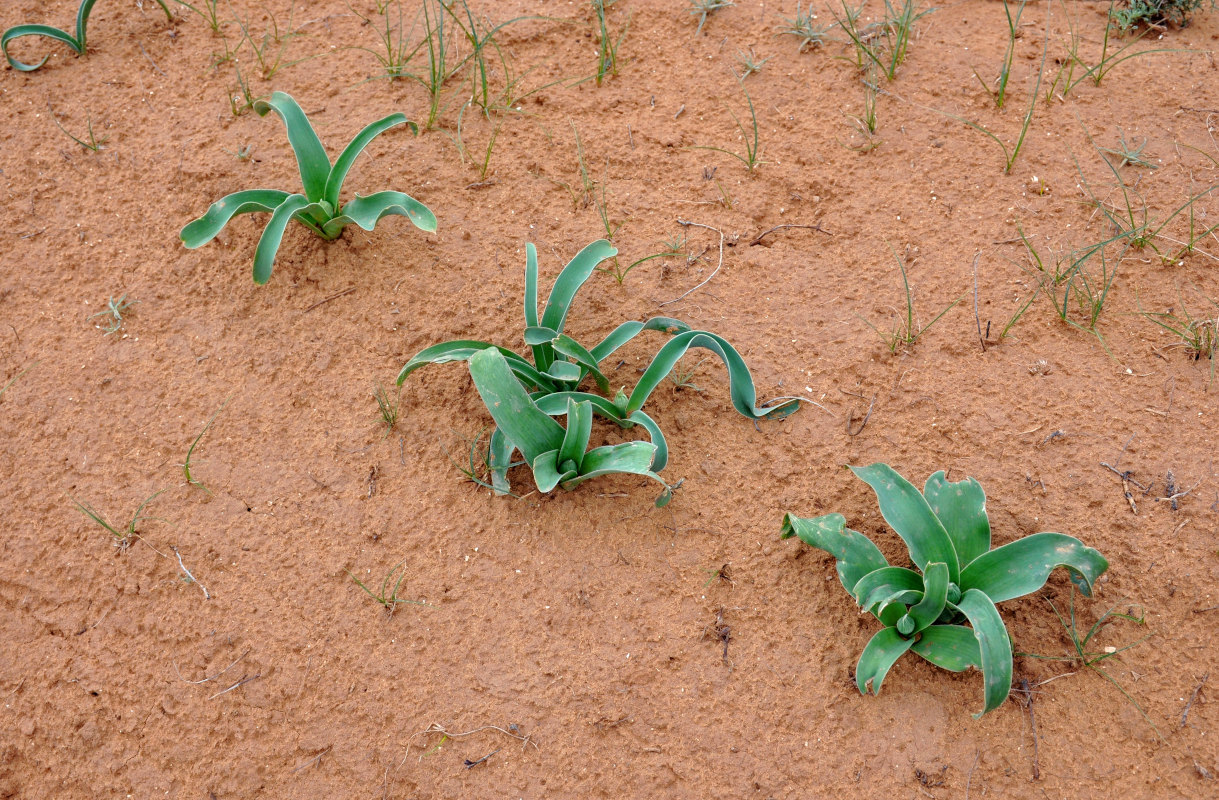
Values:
[(587, 644)]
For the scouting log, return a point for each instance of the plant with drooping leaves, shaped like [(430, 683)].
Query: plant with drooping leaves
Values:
[(958, 577), (318, 209), (523, 397), (77, 42)]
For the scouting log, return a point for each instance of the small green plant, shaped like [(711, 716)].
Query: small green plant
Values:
[(114, 310), (753, 149), (523, 397), (269, 50), (77, 42), (386, 596), (388, 407), (93, 144), (607, 44), (885, 42), (122, 536), (1071, 276), (190, 451), (749, 63), (243, 153), (318, 209), (393, 54), (803, 27), (1199, 336), (241, 98), (866, 122), (959, 578), (907, 330), (1133, 13), (999, 92), (207, 11), (703, 8), (1127, 155), (619, 272), (1108, 60)]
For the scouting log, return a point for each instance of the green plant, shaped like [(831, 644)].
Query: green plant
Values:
[(753, 150), (77, 42), (749, 63), (908, 330), (388, 407), (670, 249), (93, 145), (894, 29), (702, 8), (1072, 277), (386, 596), (243, 153), (1108, 60), (207, 11), (959, 578), (190, 451), (1199, 337), (270, 51), (114, 310), (318, 209), (1152, 13), (607, 45), (244, 99), (523, 397), (866, 122), (802, 27), (1128, 155), (15, 378), (999, 93), (123, 537)]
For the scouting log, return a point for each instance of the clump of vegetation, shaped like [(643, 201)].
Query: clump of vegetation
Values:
[(1133, 13), (318, 209), (523, 398), (77, 42), (958, 579)]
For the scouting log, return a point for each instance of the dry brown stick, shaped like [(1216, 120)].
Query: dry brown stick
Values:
[(1192, 698), (313, 760), (977, 319), (686, 223), (1028, 703), (244, 680), (866, 417), (758, 239), (213, 677), (348, 290)]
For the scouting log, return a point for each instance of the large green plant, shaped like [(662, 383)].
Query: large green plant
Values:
[(957, 577), (318, 209), (77, 42), (524, 397)]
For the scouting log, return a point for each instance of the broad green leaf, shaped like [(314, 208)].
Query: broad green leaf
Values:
[(546, 471), (961, 509), (203, 230), (994, 647), (882, 652), (856, 555), (744, 397), (555, 404), (907, 512), (953, 647), (529, 429), (892, 608), (935, 594), (564, 371), (566, 346), (1023, 566), (18, 31), (338, 173), (272, 235), (82, 21), (883, 582), (661, 459), (536, 334), (629, 330), (632, 458), (571, 279), (311, 157), (463, 349), (367, 211), (579, 429), (499, 458)]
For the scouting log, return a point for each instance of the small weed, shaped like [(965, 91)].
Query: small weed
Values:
[(478, 467), (749, 63), (752, 157), (114, 310), (802, 27), (1154, 13), (207, 11), (1127, 155), (884, 42), (268, 51), (124, 536), (242, 153), (683, 375), (999, 93), (866, 122), (92, 144), (190, 451), (241, 99), (607, 44), (907, 330), (1069, 276), (703, 8), (1199, 337), (386, 596), (393, 54), (1108, 60), (387, 406)]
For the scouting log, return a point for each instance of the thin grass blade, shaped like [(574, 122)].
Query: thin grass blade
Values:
[(203, 230), (1023, 566)]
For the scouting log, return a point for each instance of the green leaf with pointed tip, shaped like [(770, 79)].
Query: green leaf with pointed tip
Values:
[(311, 157), (935, 594), (272, 235), (882, 652), (463, 349), (993, 644), (629, 330), (744, 397), (579, 429), (529, 429), (1023, 566), (568, 347), (546, 472), (953, 647), (907, 512), (555, 404), (201, 231), (961, 509), (571, 279), (543, 354), (368, 211), (334, 182), (18, 31), (499, 458), (855, 553), (536, 335), (884, 582)]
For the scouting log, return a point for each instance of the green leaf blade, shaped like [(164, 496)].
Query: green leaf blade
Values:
[(311, 157), (18, 31), (881, 653), (855, 553), (462, 350), (528, 428), (368, 211), (629, 330), (579, 429), (338, 173), (881, 583), (961, 509), (1023, 566), (952, 647), (907, 512), (935, 595), (272, 235), (994, 646), (571, 279), (202, 230)]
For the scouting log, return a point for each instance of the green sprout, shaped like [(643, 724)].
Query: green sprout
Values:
[(114, 310), (959, 578), (124, 536), (77, 42), (318, 209), (701, 8), (523, 397)]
